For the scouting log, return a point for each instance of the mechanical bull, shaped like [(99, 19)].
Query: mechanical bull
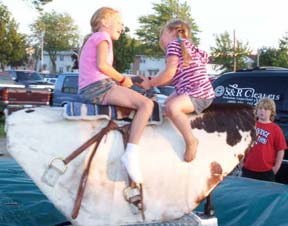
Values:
[(171, 188)]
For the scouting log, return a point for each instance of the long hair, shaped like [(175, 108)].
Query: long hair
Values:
[(182, 29), (97, 17)]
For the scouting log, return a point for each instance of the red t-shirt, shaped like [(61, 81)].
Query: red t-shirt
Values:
[(269, 140)]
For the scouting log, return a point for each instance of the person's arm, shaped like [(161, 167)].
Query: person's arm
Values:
[(278, 161), (164, 76), (105, 68)]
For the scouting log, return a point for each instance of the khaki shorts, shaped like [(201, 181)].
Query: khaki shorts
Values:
[(95, 92), (200, 104)]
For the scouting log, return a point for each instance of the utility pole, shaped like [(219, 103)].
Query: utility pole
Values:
[(259, 51), (234, 51), (42, 50)]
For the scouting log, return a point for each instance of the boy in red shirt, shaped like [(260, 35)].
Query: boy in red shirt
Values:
[(263, 161)]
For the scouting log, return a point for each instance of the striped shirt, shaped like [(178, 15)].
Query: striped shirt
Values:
[(193, 79)]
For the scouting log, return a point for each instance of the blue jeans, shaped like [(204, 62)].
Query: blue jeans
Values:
[(267, 175)]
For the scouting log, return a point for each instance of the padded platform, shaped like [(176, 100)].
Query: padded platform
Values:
[(86, 111)]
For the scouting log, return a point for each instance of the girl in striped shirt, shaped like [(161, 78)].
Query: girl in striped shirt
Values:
[(186, 71)]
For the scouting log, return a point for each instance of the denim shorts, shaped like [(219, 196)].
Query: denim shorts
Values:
[(95, 92), (200, 104)]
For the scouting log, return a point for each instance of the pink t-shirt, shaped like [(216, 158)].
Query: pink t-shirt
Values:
[(88, 71)]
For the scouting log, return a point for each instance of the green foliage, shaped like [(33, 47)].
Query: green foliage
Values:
[(275, 57), (224, 52), (268, 56), (12, 43), (150, 25), (282, 58), (60, 34), (38, 3), (124, 52)]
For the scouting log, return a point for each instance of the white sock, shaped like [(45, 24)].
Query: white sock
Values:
[(131, 161)]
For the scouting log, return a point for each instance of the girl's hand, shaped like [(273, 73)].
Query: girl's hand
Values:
[(127, 82), (146, 83)]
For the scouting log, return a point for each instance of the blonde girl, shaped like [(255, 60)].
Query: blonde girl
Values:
[(185, 69), (100, 83)]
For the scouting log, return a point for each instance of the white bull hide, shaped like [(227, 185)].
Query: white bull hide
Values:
[(171, 186)]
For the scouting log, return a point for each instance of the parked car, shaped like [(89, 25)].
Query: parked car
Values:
[(66, 89), (50, 80), (15, 96), (248, 86), (29, 78)]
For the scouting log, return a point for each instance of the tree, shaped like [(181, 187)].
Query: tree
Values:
[(223, 53), (12, 43), (150, 25), (282, 58), (124, 51), (38, 3), (275, 57), (268, 56), (59, 34)]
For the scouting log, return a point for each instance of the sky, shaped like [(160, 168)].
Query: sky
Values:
[(261, 23)]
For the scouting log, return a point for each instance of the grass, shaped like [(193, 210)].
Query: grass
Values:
[(2, 125)]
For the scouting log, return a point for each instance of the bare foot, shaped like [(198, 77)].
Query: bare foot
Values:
[(191, 150)]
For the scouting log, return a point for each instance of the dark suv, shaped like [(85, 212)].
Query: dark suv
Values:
[(248, 86)]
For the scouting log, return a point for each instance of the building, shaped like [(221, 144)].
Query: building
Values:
[(64, 62), (149, 66), (142, 65)]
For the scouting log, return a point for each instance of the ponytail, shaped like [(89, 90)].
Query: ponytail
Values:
[(185, 54)]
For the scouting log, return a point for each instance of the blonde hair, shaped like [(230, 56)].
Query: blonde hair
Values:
[(267, 104), (182, 30), (97, 17)]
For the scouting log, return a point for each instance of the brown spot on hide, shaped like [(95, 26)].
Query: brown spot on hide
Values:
[(240, 157), (216, 169), (216, 177), (229, 118)]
